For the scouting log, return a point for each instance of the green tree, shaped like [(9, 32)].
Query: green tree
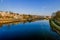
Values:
[(58, 14)]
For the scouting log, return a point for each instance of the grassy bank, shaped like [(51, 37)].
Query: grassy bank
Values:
[(54, 25)]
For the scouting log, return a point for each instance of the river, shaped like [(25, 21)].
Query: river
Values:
[(38, 30)]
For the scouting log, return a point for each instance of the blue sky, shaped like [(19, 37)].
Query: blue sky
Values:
[(36, 7)]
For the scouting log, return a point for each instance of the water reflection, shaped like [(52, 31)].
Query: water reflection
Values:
[(55, 30), (20, 30), (14, 23)]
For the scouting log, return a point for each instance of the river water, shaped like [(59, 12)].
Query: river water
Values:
[(38, 30)]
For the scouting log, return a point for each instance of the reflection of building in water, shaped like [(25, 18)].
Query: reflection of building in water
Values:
[(8, 25), (16, 23), (1, 25)]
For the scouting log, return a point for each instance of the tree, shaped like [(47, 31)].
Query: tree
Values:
[(58, 14)]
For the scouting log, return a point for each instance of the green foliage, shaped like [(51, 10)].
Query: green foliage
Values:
[(58, 14)]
